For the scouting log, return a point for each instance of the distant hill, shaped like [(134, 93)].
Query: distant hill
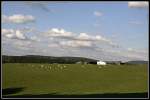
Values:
[(43, 59), (137, 62), (52, 59)]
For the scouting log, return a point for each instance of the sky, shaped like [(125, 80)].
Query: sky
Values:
[(99, 30)]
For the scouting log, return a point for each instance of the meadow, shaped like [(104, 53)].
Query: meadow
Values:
[(31, 79)]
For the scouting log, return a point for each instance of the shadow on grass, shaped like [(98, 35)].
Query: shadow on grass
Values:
[(107, 95), (8, 91)]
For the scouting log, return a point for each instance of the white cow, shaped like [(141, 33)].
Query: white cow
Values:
[(101, 63)]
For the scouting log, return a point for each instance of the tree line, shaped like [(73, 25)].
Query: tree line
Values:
[(43, 59)]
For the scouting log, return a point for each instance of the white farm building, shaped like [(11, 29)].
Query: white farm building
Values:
[(101, 63)]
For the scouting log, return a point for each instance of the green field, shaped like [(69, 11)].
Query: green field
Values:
[(73, 79)]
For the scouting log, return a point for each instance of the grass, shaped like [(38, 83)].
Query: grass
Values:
[(73, 79)]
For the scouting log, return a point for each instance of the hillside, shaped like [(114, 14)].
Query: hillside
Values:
[(137, 62), (43, 59)]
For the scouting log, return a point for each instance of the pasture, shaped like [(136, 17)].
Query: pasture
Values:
[(73, 79)]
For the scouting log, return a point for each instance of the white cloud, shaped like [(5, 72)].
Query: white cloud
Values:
[(18, 19), (138, 4), (20, 35), (7, 31), (84, 36), (98, 13), (13, 34), (76, 43), (55, 32), (26, 44), (17, 34), (35, 38), (10, 35), (100, 38), (63, 34)]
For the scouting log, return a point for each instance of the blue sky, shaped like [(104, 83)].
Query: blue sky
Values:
[(119, 22)]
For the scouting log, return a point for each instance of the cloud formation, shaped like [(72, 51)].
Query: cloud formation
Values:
[(55, 32), (76, 43), (19, 34), (18, 19), (138, 4), (13, 34), (86, 37), (76, 38), (7, 31), (65, 46), (98, 13)]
